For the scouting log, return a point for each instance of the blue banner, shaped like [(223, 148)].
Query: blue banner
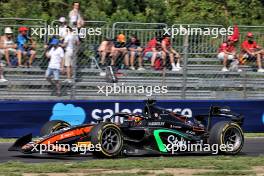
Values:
[(21, 117)]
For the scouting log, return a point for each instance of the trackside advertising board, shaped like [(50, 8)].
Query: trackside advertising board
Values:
[(18, 118)]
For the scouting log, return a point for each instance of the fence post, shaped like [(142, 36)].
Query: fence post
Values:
[(185, 62), (244, 74), (74, 70)]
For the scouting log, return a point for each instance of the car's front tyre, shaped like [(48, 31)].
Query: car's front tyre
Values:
[(109, 137)]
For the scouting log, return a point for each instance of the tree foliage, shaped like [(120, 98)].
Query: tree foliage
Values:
[(248, 12)]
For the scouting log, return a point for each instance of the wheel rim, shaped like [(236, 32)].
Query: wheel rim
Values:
[(111, 140), (233, 136)]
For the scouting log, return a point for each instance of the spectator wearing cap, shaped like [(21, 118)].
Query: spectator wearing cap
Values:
[(70, 43), (104, 50), (61, 35), (227, 52), (25, 47), (134, 50), (62, 28), (7, 45), (153, 50), (250, 50), (168, 51), (75, 17), (119, 50), (56, 64)]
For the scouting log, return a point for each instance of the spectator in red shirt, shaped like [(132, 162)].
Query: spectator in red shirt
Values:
[(252, 51), (153, 50), (167, 50), (227, 52)]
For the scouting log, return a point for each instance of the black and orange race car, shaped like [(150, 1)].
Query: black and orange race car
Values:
[(156, 131)]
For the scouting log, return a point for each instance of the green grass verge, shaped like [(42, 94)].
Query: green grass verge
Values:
[(221, 173), (254, 134), (7, 140), (3, 140), (221, 164)]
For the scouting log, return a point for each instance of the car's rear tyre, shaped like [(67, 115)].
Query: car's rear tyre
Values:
[(52, 126), (227, 133), (109, 137)]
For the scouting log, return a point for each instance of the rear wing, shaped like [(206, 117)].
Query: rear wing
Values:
[(217, 111)]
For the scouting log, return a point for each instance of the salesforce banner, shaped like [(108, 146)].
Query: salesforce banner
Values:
[(18, 118)]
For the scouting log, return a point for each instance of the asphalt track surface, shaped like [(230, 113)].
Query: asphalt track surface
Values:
[(252, 147)]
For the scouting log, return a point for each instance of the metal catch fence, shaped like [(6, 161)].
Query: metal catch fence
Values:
[(200, 76)]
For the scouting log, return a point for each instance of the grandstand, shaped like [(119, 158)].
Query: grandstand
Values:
[(201, 77), (204, 81)]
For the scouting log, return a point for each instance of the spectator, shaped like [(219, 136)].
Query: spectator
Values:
[(70, 42), (7, 45), (153, 50), (168, 51), (134, 50), (252, 51), (48, 45), (56, 64), (62, 28), (227, 52), (26, 47), (75, 17), (119, 49), (2, 78), (60, 35), (104, 50)]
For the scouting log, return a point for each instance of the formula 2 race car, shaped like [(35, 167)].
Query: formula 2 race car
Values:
[(156, 131)]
